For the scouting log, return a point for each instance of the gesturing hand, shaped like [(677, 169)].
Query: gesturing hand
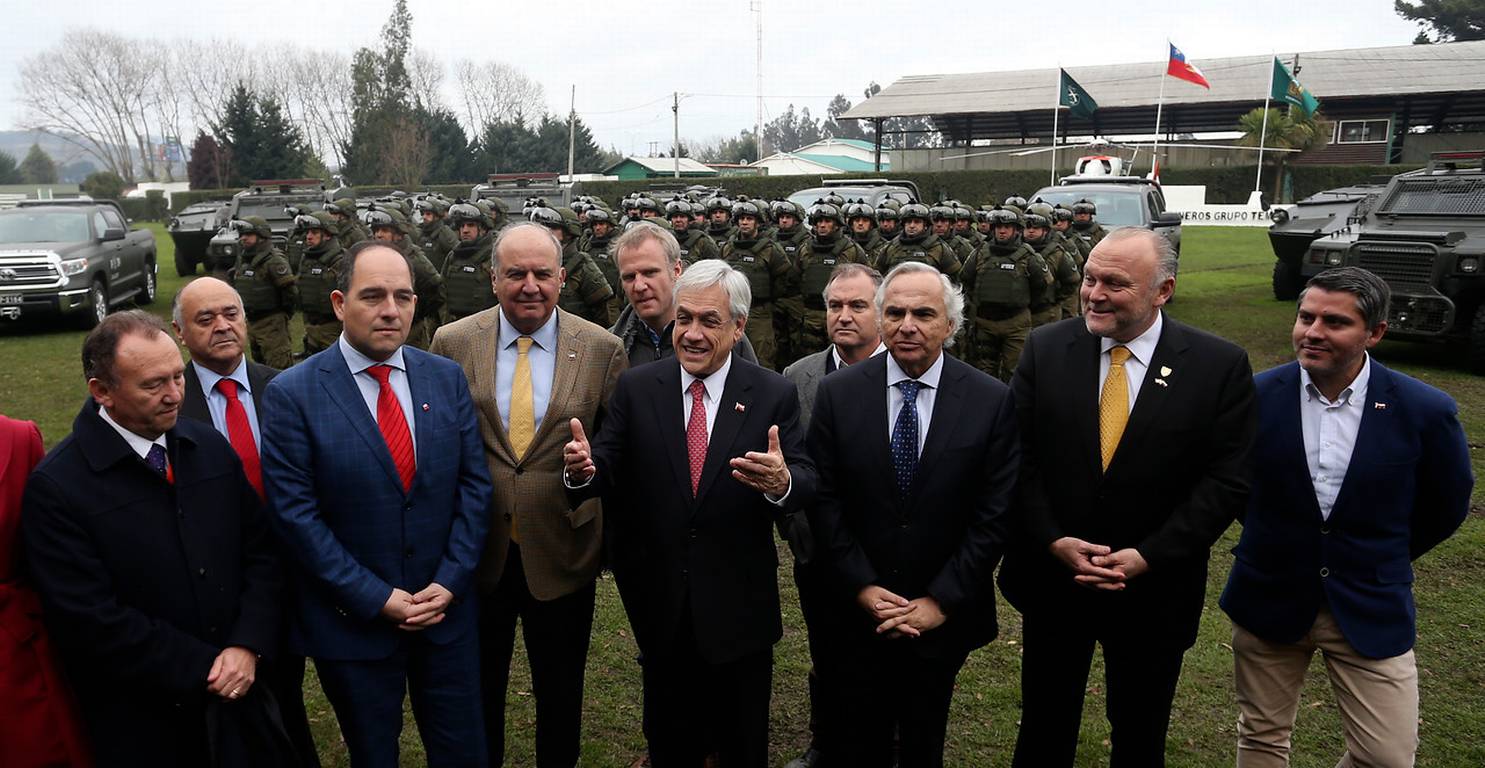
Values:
[(577, 456), (766, 472), (1083, 558)]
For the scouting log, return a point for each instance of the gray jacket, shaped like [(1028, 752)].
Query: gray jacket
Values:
[(806, 373)]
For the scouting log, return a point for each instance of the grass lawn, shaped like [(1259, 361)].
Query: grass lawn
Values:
[(1224, 288)]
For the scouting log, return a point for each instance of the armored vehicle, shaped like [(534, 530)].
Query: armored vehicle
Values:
[(873, 191), (192, 230), (1424, 235), (271, 199), (1320, 214), (514, 189), (1123, 201)]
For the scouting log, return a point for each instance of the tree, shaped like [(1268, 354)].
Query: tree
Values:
[(1450, 20), (451, 156), (104, 185), (1287, 129), (834, 127), (742, 149), (209, 165), (789, 131), (9, 172), (507, 146), (492, 91), (260, 142), (38, 167), (382, 106)]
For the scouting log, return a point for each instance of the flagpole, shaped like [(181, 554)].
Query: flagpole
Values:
[(1263, 132), (1056, 108), (1159, 107)]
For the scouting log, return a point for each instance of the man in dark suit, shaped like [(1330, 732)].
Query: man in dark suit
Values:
[(1359, 471), (223, 388), (531, 368), (154, 564), (1135, 432), (378, 487), (700, 458), (917, 455)]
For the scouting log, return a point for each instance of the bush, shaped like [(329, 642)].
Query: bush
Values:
[(104, 185)]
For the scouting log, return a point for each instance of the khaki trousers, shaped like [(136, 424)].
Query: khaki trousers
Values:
[(1377, 698)]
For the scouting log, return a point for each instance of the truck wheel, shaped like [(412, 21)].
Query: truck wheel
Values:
[(1288, 282), (146, 297), (1477, 341), (97, 304), (185, 266)]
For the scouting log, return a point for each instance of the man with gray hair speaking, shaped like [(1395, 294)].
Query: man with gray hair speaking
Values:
[(700, 457)]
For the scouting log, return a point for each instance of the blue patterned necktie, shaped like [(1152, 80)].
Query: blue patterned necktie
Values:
[(905, 436), (156, 459)]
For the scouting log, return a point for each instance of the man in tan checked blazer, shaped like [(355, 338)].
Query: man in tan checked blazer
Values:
[(531, 369)]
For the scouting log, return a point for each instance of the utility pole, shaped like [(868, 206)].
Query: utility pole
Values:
[(756, 6), (571, 133), (675, 147)]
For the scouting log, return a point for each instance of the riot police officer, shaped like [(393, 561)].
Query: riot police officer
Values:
[(861, 220), (719, 226), (265, 280), (942, 217), (350, 230), (918, 243), (1085, 223), (695, 244), (887, 226), (389, 226), (467, 273), (438, 239), (818, 258), (319, 272), (1037, 233), (1016, 203), (769, 273), (999, 282), (585, 292), (964, 226), (1062, 219)]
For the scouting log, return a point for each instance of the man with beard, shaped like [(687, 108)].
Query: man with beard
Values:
[(818, 259), (467, 273), (916, 243), (999, 283), (769, 273), (318, 271)]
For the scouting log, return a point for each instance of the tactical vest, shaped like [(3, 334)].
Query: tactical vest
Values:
[(1064, 267), (1002, 280), (571, 298), (924, 250), (610, 268), (1043, 286), (254, 283), (816, 265), (752, 258), (319, 272), (466, 278), (792, 242)]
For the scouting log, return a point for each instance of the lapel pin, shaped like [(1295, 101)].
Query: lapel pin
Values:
[(1380, 406), (1161, 382), (425, 407), (1164, 370), (739, 407), (571, 355)]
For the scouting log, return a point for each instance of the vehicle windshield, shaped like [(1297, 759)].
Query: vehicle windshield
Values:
[(272, 210), (44, 227), (1116, 207), (807, 197)]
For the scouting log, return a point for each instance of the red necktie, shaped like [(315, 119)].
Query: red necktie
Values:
[(240, 434), (696, 434), (393, 423)]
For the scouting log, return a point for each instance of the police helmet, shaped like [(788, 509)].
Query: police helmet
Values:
[(1000, 216), (823, 210), (913, 210), (1085, 206)]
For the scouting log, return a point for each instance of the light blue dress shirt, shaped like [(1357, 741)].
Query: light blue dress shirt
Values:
[(216, 402), (1329, 429), (543, 358), (926, 396), (371, 389)]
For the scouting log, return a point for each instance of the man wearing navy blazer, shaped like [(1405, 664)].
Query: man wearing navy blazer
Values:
[(700, 459), (377, 484), (1358, 470)]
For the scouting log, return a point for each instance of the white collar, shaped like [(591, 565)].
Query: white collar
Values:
[(138, 444), (929, 378), (544, 337), (1141, 347), (359, 362), (714, 383), (1356, 387), (209, 378), (835, 354)]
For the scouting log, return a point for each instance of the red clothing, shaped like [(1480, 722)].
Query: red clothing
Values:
[(38, 720)]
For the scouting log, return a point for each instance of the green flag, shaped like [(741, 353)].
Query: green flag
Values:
[(1289, 91), (1072, 96)]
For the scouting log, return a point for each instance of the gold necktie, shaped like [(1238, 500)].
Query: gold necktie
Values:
[(522, 409), (1113, 406)]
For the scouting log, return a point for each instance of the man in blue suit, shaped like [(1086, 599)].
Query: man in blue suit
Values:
[(376, 481), (1358, 471)]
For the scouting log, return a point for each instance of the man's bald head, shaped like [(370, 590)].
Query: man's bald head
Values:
[(209, 321), (528, 275)]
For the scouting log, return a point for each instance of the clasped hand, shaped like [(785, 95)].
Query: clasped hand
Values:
[(414, 612), (899, 615), (1096, 566)]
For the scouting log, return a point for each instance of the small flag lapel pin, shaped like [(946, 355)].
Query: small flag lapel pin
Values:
[(1165, 370), (1380, 406), (739, 407), (425, 407)]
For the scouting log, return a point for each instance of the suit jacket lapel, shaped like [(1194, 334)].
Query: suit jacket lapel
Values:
[(1083, 352), (668, 416), (257, 381), (948, 402), (419, 388), (343, 391), (1374, 421), (1153, 395), (1289, 437), (486, 356), (736, 392), (194, 404), (570, 358)]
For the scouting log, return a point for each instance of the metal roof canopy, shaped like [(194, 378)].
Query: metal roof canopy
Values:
[(1423, 84)]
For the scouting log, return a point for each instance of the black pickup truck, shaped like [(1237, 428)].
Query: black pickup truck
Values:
[(74, 257)]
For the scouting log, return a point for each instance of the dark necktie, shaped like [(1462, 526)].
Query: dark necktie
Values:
[(240, 435), (696, 434), (905, 436), (393, 424), (157, 461)]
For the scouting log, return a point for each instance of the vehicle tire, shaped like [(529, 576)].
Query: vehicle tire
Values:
[(146, 296), (1288, 282), (1477, 341), (185, 266), (97, 304)]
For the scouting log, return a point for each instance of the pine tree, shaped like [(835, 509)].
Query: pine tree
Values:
[(38, 167)]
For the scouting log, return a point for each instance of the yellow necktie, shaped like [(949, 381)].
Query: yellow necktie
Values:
[(1113, 405), (522, 409)]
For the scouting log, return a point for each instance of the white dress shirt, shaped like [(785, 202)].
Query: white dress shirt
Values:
[(1141, 350), (543, 359), (371, 389), (710, 399), (839, 363), (216, 402), (927, 395), (136, 443), (1330, 429)]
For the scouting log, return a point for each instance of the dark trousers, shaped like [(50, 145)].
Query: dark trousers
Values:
[(284, 676), (815, 602), (693, 708), (1140, 678), (886, 688), (443, 681), (556, 634)]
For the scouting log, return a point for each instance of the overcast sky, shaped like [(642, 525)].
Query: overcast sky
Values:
[(626, 62)]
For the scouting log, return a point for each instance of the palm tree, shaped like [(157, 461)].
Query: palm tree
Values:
[(1287, 129)]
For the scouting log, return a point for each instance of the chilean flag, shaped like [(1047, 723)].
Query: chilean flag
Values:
[(1182, 69)]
